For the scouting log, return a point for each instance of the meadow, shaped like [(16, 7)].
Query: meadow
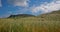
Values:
[(42, 23)]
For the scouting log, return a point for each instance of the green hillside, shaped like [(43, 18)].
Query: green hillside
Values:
[(55, 16), (49, 22)]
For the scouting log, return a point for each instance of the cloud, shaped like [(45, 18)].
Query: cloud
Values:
[(47, 7), (18, 2), (0, 3)]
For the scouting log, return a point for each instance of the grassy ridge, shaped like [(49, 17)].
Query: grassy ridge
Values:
[(43, 23)]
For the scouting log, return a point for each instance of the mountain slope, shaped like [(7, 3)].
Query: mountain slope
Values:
[(21, 16), (51, 16)]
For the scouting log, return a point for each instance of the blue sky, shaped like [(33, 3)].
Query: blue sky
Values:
[(34, 7)]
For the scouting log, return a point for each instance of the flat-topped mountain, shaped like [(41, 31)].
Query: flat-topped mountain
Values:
[(21, 15)]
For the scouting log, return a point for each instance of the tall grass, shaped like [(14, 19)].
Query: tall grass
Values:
[(30, 24)]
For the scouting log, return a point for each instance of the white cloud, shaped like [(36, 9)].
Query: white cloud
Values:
[(18, 2), (0, 3), (47, 7)]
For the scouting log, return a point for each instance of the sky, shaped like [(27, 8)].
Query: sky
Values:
[(34, 7)]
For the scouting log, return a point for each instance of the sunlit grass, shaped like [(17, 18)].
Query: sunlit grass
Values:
[(29, 24)]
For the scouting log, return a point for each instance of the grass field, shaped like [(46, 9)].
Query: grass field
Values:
[(43, 23)]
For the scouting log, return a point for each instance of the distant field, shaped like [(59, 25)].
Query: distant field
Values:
[(29, 24)]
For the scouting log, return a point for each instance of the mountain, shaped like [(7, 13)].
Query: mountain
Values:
[(55, 15), (21, 16)]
